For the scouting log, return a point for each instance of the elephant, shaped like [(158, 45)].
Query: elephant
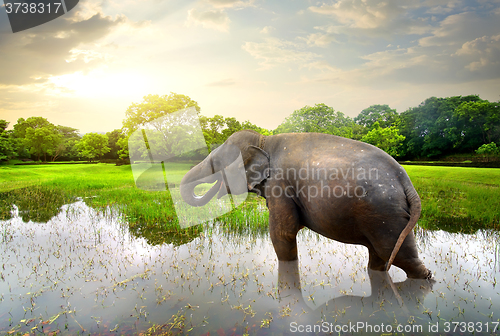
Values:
[(343, 189)]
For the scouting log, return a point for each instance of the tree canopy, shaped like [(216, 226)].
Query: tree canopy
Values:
[(217, 129), (7, 146), (437, 127), (387, 139), (114, 141), (443, 126), (488, 150), (93, 145), (153, 107), (382, 114), (320, 118), (37, 136)]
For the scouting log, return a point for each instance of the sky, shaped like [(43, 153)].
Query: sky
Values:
[(254, 60)]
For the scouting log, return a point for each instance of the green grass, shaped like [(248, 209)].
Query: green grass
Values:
[(457, 199), (453, 198), (39, 192), (100, 186)]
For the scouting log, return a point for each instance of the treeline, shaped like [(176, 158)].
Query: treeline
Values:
[(36, 138), (436, 128)]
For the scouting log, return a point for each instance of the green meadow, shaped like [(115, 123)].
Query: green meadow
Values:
[(39, 191), (457, 199), (453, 198), (225, 278)]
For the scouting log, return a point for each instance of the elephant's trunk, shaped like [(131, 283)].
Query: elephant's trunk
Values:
[(202, 173)]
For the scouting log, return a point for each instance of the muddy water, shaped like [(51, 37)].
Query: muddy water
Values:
[(83, 272)]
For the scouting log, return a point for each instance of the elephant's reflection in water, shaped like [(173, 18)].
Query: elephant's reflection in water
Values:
[(389, 303)]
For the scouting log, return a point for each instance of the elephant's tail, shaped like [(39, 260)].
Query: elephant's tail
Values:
[(415, 209)]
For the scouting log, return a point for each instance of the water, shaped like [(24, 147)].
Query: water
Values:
[(83, 272)]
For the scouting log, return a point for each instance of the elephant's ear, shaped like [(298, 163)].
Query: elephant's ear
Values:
[(256, 165)]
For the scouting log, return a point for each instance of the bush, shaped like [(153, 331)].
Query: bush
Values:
[(489, 151)]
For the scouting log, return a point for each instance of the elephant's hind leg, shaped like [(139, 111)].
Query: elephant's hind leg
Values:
[(382, 234), (407, 259), (284, 224), (375, 263)]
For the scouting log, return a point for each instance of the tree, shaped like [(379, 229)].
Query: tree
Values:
[(153, 107), (480, 123), (29, 134), (488, 150), (217, 129), (114, 144), (19, 133), (32, 122), (212, 130), (231, 126), (358, 131), (320, 118), (93, 145), (42, 141), (388, 139), (432, 128), (123, 152), (7, 146), (382, 113), (248, 125), (168, 136), (66, 149)]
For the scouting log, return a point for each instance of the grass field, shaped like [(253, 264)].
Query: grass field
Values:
[(40, 190), (457, 199), (453, 198)]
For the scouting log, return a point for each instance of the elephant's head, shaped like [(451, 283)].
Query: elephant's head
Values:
[(237, 166)]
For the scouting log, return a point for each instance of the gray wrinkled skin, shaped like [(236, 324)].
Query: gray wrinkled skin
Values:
[(343, 189)]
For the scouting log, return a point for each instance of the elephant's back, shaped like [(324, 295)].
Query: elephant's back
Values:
[(343, 182), (328, 144)]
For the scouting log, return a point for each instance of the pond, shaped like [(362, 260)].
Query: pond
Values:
[(82, 271)]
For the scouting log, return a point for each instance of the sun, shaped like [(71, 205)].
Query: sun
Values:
[(100, 84)]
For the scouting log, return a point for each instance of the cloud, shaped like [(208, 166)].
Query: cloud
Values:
[(267, 30), (230, 3), (459, 28), (323, 66), (273, 52), (321, 39), (367, 18), (475, 60), (461, 48), (365, 14), (45, 50), (212, 13), (215, 18), (482, 54)]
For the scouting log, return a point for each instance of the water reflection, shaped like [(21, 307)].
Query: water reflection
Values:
[(40, 204), (84, 271), (404, 299), (37, 204)]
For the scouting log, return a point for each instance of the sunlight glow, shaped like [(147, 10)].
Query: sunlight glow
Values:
[(100, 84)]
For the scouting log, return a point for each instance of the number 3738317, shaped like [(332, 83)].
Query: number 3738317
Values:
[(33, 7)]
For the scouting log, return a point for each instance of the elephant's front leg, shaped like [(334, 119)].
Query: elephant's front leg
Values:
[(283, 226)]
